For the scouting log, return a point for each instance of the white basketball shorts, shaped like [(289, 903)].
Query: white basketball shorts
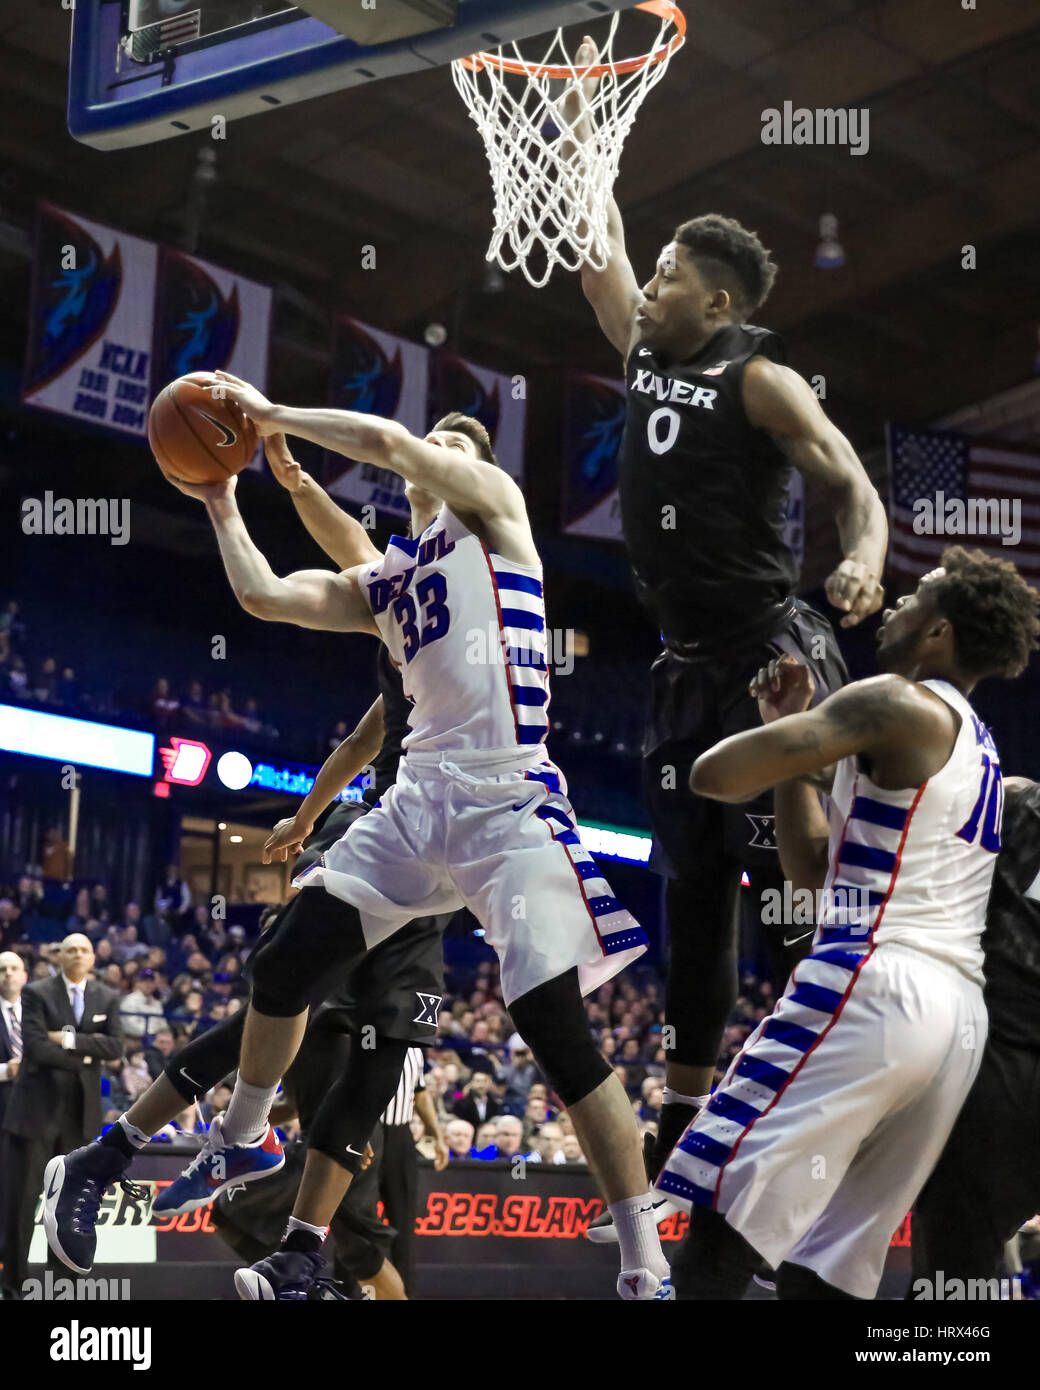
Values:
[(498, 836), (830, 1120)]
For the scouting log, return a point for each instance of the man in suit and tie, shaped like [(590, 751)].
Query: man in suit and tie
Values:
[(13, 976), (69, 1025)]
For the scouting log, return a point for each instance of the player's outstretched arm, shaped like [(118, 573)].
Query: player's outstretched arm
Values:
[(783, 404), (891, 721), (613, 292), (309, 598), (464, 483), (343, 539), (338, 770)]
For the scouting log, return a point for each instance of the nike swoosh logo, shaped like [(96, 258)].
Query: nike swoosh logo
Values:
[(355, 1152), (229, 434), (522, 804), (794, 940), (53, 1187), (190, 1079)]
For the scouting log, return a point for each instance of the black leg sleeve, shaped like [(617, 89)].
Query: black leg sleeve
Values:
[(200, 1064), (353, 1104), (702, 967)]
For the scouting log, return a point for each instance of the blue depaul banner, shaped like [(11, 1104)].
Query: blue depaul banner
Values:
[(593, 421)]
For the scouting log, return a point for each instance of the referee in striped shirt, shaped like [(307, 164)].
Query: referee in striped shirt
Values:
[(399, 1171)]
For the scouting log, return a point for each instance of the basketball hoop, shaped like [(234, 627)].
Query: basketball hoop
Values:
[(553, 149)]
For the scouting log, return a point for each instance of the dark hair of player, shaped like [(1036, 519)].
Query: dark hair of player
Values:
[(995, 614), (472, 429), (730, 258)]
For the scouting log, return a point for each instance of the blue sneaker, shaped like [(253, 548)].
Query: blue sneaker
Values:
[(287, 1276), (217, 1167), (73, 1186)]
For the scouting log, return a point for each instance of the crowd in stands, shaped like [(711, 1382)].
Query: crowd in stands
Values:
[(180, 971)]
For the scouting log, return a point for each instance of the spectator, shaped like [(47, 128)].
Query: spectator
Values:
[(141, 1010), (162, 705), (509, 1139), (548, 1143), (458, 1135), (128, 947), (81, 913), (163, 1045), (572, 1149), (485, 1138), (17, 679), (45, 686), (173, 896), (477, 1104), (10, 923), (69, 694), (193, 706)]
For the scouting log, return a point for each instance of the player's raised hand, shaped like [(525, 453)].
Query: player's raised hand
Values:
[(206, 492), (574, 108), (286, 838), (284, 467), (855, 590), (252, 403), (783, 687)]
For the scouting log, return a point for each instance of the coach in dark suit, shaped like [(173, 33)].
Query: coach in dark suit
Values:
[(70, 1024), (12, 981)]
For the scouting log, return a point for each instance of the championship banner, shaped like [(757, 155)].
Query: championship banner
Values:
[(594, 416), (379, 374), (90, 322), (499, 402), (208, 318)]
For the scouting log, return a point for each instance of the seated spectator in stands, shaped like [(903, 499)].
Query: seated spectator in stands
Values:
[(174, 896), (548, 1143), (112, 975), (56, 856), (216, 1101), (477, 1104), (188, 1014), (158, 1052), (572, 1149), (630, 1056), (536, 1112), (424, 1142), (162, 704), (10, 924), (141, 1010), (219, 714), (250, 721), (517, 1075), (652, 1099), (458, 1135), (134, 1077), (103, 953), (127, 946), (29, 896), (198, 966), (81, 914), (12, 629), (485, 1137), (45, 685), (218, 993), (17, 679), (69, 694), (509, 1139), (194, 707)]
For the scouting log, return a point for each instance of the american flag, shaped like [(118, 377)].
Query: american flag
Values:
[(977, 472)]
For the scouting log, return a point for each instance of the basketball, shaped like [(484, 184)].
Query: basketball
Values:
[(195, 436)]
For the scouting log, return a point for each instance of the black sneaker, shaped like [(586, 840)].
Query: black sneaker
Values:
[(287, 1276), (73, 1186)]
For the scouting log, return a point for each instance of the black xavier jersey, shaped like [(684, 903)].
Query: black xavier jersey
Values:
[(703, 493), (1012, 938)]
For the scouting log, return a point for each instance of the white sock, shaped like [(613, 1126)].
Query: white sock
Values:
[(295, 1224), (637, 1235), (136, 1137), (245, 1119), (671, 1097)]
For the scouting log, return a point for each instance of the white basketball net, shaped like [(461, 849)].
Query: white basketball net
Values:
[(554, 162)]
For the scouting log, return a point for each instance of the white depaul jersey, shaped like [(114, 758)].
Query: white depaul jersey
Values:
[(467, 629), (914, 867)]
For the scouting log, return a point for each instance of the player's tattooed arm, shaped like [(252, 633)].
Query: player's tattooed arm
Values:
[(352, 757), (875, 718), (782, 403), (343, 539)]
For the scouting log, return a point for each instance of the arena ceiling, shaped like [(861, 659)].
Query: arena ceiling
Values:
[(901, 331)]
